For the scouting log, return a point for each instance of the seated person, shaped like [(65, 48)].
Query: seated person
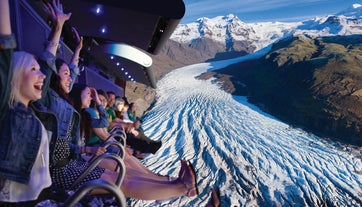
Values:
[(110, 108), (24, 146), (103, 98), (127, 119), (132, 112), (118, 106), (136, 139)]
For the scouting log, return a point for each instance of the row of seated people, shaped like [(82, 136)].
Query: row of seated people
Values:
[(118, 113), (43, 119)]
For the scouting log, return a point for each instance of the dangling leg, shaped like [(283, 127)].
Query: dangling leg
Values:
[(214, 198)]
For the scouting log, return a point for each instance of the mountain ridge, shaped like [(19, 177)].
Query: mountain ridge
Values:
[(224, 37), (198, 42)]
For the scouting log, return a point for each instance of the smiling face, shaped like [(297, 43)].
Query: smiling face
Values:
[(119, 106), (103, 100), (134, 107), (27, 79), (111, 99), (86, 97), (65, 79), (31, 83)]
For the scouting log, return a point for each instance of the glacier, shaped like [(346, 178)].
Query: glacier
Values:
[(254, 158)]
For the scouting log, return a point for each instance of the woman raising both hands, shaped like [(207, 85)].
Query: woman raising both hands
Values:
[(24, 147)]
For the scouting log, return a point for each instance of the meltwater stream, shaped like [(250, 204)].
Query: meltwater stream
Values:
[(255, 159)]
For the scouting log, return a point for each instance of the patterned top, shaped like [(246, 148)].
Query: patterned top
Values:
[(65, 171)]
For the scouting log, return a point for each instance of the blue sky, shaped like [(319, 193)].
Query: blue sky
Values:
[(264, 10)]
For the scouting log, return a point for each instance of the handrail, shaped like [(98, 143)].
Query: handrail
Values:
[(117, 128), (97, 160), (96, 184), (119, 137), (121, 152), (106, 144)]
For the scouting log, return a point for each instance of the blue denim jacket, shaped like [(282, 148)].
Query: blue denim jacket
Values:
[(65, 114), (20, 131), (20, 136), (52, 102)]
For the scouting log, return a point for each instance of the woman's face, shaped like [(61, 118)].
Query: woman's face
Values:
[(112, 99), (134, 107), (103, 100), (86, 97), (120, 106), (65, 79), (31, 83)]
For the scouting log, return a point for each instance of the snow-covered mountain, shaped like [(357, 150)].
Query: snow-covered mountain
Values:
[(254, 158), (231, 31), (226, 30)]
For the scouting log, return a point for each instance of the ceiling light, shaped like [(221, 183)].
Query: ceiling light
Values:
[(103, 29), (98, 10), (128, 52)]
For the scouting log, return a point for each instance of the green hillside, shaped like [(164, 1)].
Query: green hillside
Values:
[(311, 83)]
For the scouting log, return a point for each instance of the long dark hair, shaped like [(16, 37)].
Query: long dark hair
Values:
[(85, 118), (55, 80)]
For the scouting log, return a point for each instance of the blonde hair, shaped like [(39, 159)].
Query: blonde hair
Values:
[(22, 62)]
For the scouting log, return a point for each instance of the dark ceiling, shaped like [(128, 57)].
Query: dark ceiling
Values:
[(145, 24)]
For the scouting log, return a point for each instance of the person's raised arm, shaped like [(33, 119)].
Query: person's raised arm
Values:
[(55, 11), (47, 59), (78, 48), (7, 44), (74, 64), (102, 122), (5, 27)]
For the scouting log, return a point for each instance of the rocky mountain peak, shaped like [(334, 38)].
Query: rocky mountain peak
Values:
[(229, 30)]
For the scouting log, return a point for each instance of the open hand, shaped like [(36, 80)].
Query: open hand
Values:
[(95, 97), (55, 12), (78, 38)]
